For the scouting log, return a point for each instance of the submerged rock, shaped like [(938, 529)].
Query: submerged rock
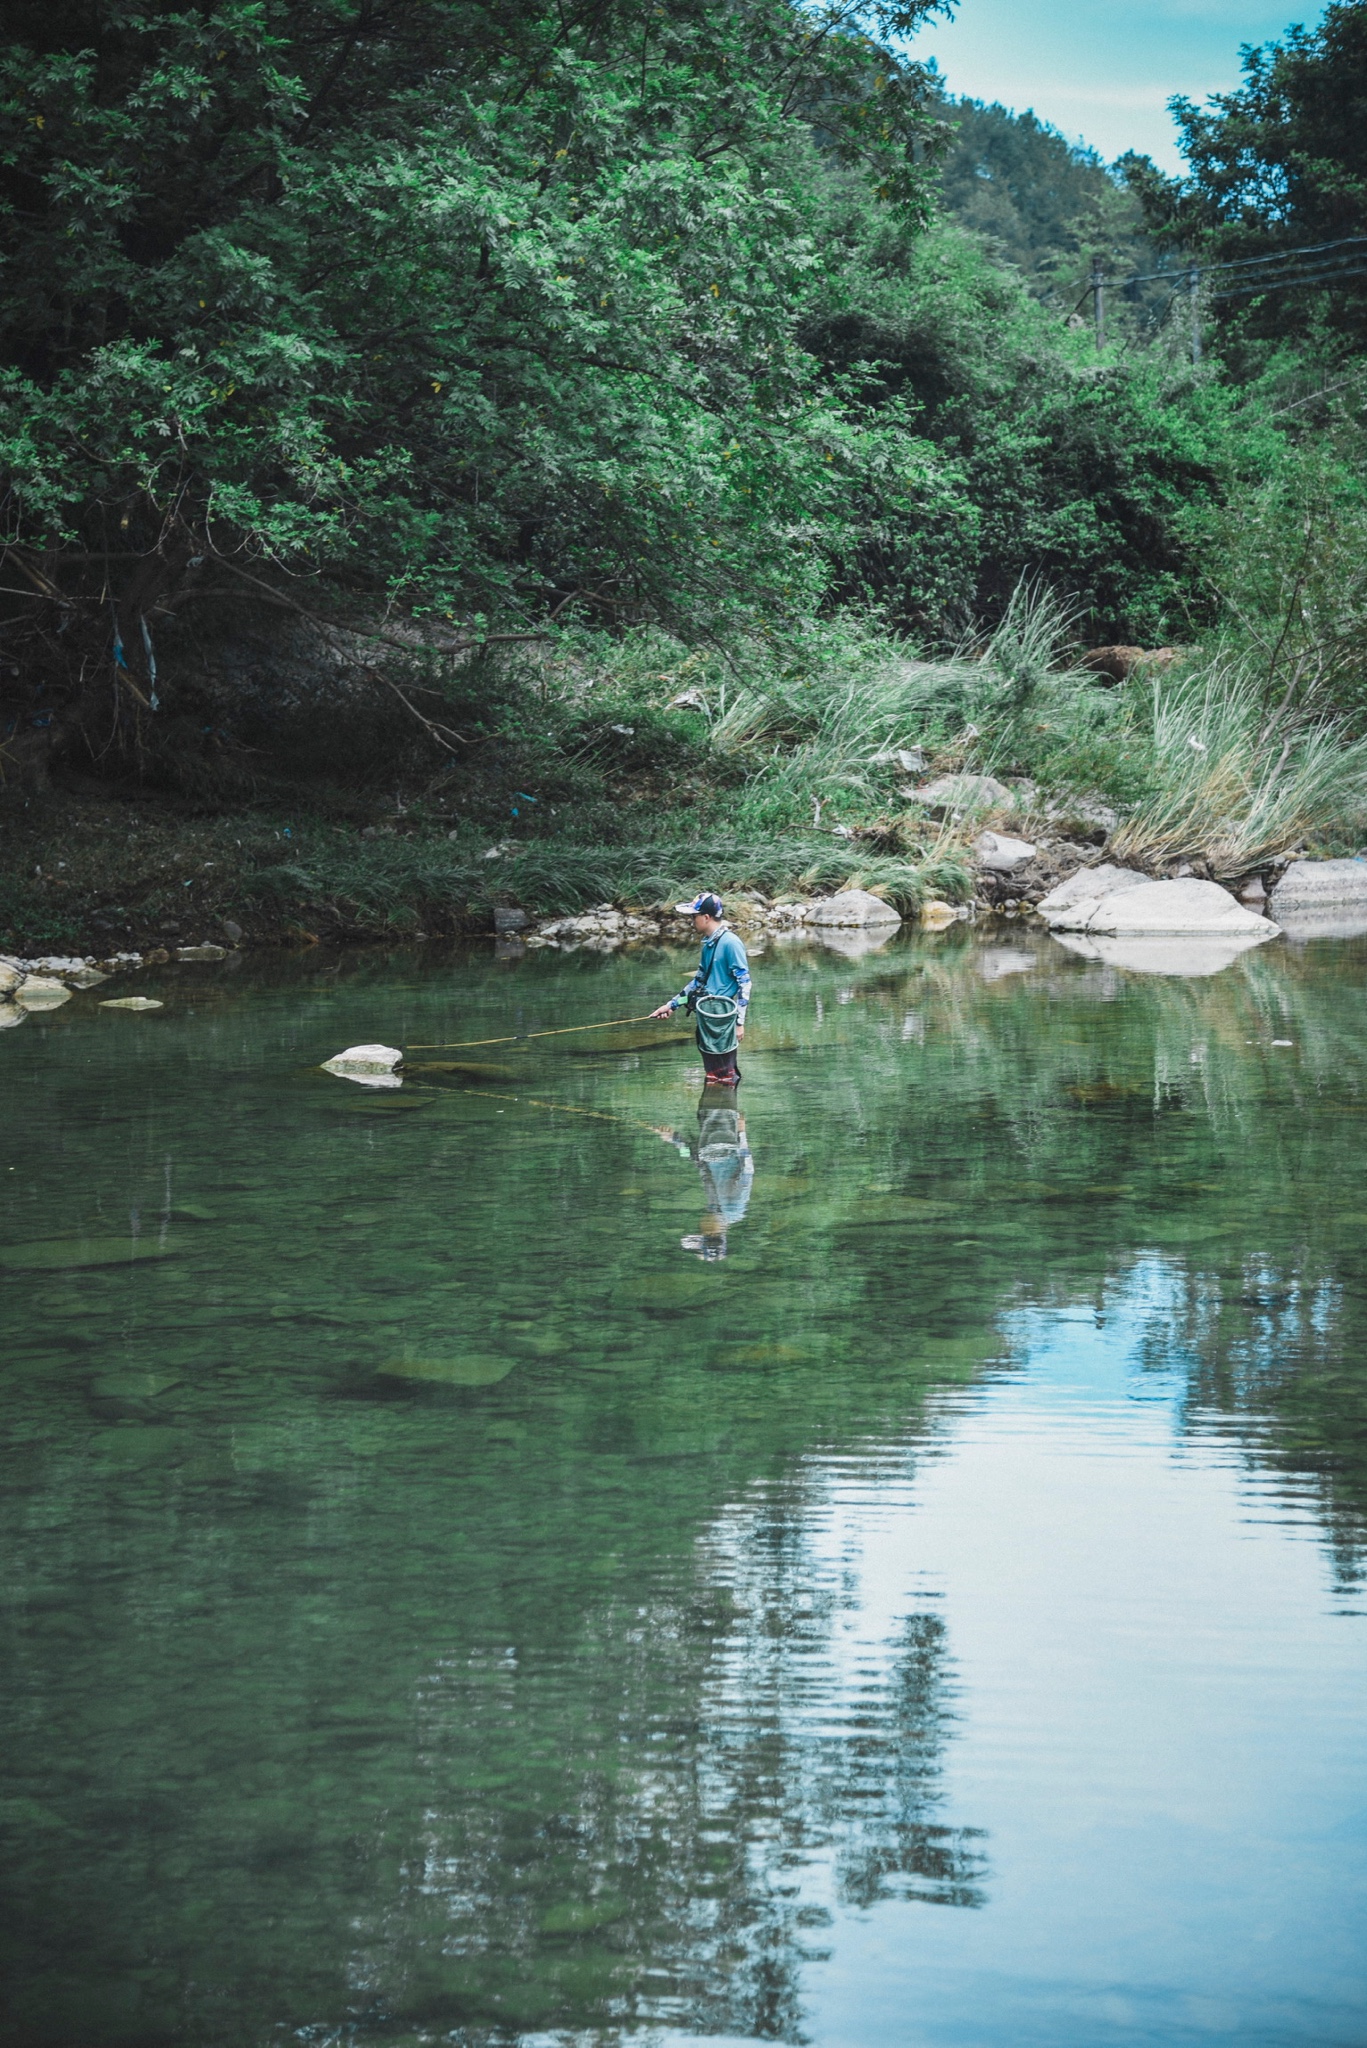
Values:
[(470, 1369), (10, 1015), (68, 1254), (131, 1003), (201, 952), (134, 1384), (854, 907)]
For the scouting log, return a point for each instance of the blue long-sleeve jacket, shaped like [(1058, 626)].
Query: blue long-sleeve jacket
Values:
[(723, 970)]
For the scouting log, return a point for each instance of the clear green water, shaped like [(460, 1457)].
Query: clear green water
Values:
[(438, 1604)]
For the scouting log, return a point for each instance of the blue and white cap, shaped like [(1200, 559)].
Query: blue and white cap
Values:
[(706, 905)]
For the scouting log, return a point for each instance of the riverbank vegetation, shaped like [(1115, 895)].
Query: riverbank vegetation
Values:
[(581, 451)]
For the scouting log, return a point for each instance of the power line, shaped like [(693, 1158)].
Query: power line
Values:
[(1176, 271), (1277, 284), (1193, 275)]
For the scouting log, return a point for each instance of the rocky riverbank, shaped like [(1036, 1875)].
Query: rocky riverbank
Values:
[(45, 983), (104, 890)]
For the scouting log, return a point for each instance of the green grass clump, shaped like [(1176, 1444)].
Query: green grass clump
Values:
[(1232, 784), (391, 883)]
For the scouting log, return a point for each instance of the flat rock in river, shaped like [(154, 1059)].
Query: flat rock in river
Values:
[(1164, 909)]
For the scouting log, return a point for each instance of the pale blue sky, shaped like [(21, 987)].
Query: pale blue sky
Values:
[(1103, 69)]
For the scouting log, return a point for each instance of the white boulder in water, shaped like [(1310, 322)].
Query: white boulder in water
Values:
[(1088, 884), (854, 907), (372, 1064), (1166, 909)]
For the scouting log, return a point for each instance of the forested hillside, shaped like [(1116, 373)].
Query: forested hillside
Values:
[(374, 378)]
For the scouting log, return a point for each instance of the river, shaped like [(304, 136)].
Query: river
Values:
[(529, 1556)]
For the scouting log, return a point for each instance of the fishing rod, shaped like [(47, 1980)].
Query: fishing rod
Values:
[(521, 1037)]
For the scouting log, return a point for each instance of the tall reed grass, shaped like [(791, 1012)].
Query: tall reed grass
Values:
[(832, 734), (1231, 785)]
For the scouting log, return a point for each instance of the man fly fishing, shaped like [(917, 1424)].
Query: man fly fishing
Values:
[(718, 994)]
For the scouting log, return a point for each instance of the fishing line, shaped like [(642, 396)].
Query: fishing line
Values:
[(520, 1037)]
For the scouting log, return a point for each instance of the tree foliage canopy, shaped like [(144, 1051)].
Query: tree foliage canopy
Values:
[(480, 317), (486, 303), (1278, 164)]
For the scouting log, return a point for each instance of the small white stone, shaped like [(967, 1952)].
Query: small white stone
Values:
[(364, 1059)]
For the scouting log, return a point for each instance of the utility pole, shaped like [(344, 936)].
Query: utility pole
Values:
[(1099, 302), (1194, 290)]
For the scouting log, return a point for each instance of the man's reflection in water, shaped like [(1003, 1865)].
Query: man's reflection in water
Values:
[(726, 1169)]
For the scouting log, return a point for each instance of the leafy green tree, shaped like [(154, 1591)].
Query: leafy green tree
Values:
[(478, 310), (1047, 205), (1278, 164)]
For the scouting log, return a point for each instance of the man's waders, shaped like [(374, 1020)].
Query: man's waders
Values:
[(716, 1018)]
